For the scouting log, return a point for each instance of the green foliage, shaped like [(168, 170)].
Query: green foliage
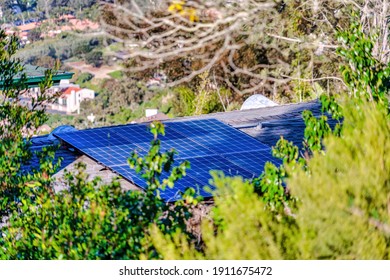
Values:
[(241, 228), (120, 101), (94, 58), (65, 47), (204, 99), (18, 123), (315, 131), (91, 220), (270, 185), (183, 103), (116, 74), (345, 214), (83, 78), (364, 74), (45, 61), (343, 209), (345, 197), (35, 35)]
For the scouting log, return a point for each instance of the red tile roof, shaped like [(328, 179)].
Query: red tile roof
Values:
[(69, 90)]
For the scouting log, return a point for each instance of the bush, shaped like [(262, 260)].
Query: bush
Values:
[(90, 220), (84, 77), (94, 58), (343, 204)]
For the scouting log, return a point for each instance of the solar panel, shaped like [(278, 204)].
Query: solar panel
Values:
[(172, 194), (93, 138), (130, 174), (218, 137), (206, 144), (253, 161)]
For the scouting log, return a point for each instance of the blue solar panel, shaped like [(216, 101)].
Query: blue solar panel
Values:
[(253, 161), (172, 194), (130, 174), (217, 136), (206, 144), (201, 166), (93, 138), (185, 148)]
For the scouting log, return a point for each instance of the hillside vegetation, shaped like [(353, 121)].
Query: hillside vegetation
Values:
[(327, 200)]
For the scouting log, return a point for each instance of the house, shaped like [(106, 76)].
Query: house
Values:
[(70, 99), (64, 23), (36, 74), (107, 158)]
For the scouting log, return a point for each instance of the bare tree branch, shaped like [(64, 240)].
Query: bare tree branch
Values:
[(248, 45)]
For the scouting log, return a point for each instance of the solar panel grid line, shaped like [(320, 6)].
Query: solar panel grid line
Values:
[(202, 166), (126, 172), (214, 138), (171, 194), (167, 194), (219, 134), (207, 144), (103, 160), (253, 161)]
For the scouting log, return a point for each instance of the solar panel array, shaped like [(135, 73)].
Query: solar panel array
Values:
[(207, 144)]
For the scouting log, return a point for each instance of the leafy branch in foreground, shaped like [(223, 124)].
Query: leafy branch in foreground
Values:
[(92, 220), (343, 204), (367, 79), (18, 123)]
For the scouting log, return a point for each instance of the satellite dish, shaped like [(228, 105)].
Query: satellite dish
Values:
[(61, 129), (257, 101)]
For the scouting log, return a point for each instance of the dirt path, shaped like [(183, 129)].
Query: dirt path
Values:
[(99, 73)]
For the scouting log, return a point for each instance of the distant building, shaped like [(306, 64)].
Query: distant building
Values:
[(35, 75), (69, 95), (64, 23), (158, 81), (70, 99)]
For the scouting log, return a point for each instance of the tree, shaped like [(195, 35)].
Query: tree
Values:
[(345, 216), (90, 220), (343, 204), (35, 35), (283, 49), (46, 61), (18, 123), (45, 6), (94, 58)]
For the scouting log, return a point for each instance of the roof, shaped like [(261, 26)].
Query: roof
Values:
[(207, 144), (36, 74), (37, 143), (83, 24), (268, 124), (69, 90), (264, 124)]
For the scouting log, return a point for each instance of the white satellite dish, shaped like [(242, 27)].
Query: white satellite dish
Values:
[(257, 101)]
